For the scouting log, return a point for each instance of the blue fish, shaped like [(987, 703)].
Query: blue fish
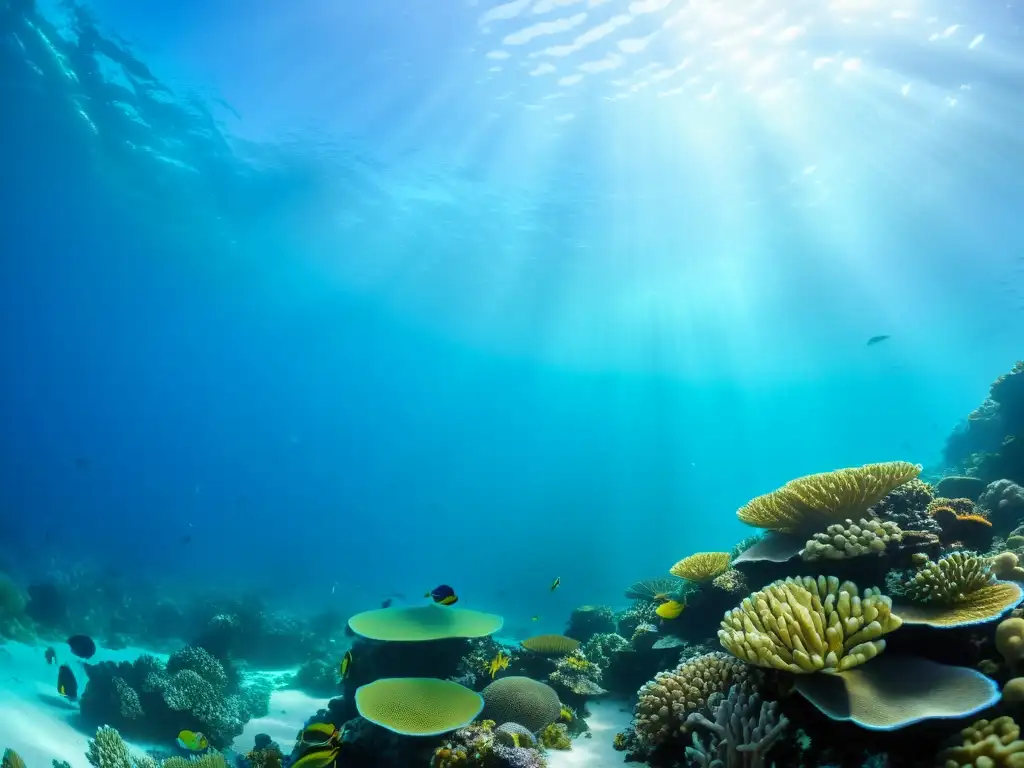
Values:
[(443, 594)]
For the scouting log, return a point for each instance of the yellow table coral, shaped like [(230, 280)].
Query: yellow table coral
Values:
[(808, 625), (702, 566), (812, 502)]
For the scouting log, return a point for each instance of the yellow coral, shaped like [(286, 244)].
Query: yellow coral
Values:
[(554, 736), (701, 567), (1010, 640), (987, 744), (852, 539), (814, 501), (809, 625)]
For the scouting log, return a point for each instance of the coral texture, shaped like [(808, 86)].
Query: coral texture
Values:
[(852, 539), (702, 566), (743, 730), (987, 744), (521, 700)]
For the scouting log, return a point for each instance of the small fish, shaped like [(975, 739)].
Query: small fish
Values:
[(535, 618), (877, 340), (443, 594), (346, 663), (82, 646), (498, 663), (67, 685), (386, 602), (670, 609), (193, 741), (556, 583), (51, 655)]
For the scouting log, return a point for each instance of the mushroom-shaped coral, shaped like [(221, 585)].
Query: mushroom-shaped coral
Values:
[(664, 703), (808, 625), (701, 567), (893, 692), (852, 539), (427, 622), (814, 501), (418, 706), (522, 700), (987, 744), (956, 591)]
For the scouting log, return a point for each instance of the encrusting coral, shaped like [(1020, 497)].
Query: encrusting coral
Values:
[(664, 703), (852, 539), (805, 625), (742, 733), (701, 567), (958, 590), (812, 502), (987, 744)]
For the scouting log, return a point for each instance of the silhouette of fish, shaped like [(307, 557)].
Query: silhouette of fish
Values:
[(877, 340)]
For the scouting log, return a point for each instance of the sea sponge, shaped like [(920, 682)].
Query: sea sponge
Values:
[(814, 501), (522, 700), (956, 591), (426, 622), (664, 703), (895, 691), (418, 706), (987, 744), (653, 590), (554, 645), (809, 625), (702, 566), (852, 539)]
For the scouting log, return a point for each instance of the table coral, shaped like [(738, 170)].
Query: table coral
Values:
[(807, 625), (701, 566)]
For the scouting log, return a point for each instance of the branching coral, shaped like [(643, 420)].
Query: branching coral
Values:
[(664, 703), (742, 733), (987, 744), (702, 566), (809, 625), (814, 501), (852, 539)]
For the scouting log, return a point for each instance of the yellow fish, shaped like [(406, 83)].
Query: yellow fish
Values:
[(555, 584), (318, 758), (670, 609), (318, 734), (346, 662), (193, 741), (498, 663)]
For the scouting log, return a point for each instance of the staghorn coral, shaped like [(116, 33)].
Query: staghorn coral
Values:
[(521, 700), (987, 744), (664, 703), (852, 539), (701, 567), (809, 625), (814, 501), (742, 733), (578, 675), (654, 590)]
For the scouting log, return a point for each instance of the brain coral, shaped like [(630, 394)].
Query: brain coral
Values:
[(427, 622), (957, 590), (521, 700), (809, 625), (551, 644), (852, 539), (664, 703), (814, 501), (418, 706), (702, 566), (989, 744)]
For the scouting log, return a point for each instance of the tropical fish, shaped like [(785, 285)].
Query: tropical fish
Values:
[(877, 340), (51, 655), (318, 734), (318, 758), (67, 685), (346, 663), (386, 602), (670, 609), (498, 663), (82, 646), (535, 618), (556, 583), (193, 741), (443, 594)]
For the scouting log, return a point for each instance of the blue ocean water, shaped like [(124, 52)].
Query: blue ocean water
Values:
[(324, 302)]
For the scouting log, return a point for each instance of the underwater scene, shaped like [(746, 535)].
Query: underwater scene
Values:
[(511, 384)]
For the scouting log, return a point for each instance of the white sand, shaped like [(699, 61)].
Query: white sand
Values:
[(598, 751), (289, 709)]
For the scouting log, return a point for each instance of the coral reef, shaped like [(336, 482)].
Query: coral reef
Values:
[(1003, 500), (481, 745), (808, 625), (907, 506), (576, 674), (654, 590), (423, 623), (852, 539), (521, 700), (987, 744), (743, 730), (702, 566), (589, 620), (812, 502)]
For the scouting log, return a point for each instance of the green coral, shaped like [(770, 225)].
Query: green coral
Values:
[(950, 580), (555, 736), (108, 750)]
